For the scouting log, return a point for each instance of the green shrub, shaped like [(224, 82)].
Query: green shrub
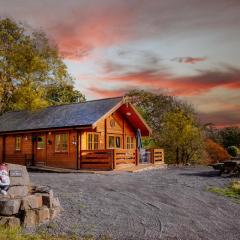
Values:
[(233, 191), (19, 234), (233, 151), (235, 186)]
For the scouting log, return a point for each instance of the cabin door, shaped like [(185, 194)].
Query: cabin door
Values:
[(40, 151)]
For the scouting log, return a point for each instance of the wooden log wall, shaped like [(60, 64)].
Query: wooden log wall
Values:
[(22, 157)]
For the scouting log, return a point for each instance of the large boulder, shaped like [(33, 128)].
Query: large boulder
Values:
[(9, 221), (18, 191), (9, 207), (32, 202), (18, 175)]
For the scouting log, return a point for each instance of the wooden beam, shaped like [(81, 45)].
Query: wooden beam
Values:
[(79, 149), (105, 133)]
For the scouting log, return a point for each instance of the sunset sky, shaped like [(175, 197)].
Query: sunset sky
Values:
[(187, 48)]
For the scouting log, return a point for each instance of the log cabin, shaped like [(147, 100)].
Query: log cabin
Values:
[(97, 134)]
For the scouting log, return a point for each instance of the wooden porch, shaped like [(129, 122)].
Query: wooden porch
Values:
[(114, 159)]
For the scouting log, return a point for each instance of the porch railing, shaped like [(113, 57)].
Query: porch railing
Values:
[(157, 155), (112, 158), (124, 156), (97, 159)]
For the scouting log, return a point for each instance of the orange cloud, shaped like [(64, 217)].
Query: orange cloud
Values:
[(100, 92), (189, 60), (204, 80), (90, 28)]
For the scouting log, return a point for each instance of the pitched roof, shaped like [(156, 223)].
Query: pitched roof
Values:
[(69, 115)]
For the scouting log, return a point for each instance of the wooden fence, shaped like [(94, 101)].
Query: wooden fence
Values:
[(157, 155)]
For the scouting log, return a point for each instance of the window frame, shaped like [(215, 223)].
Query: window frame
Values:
[(130, 142), (115, 141), (61, 150), (93, 141), (20, 143)]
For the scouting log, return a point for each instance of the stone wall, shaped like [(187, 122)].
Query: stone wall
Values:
[(26, 205)]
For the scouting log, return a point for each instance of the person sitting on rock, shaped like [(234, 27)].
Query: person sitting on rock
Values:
[(4, 179)]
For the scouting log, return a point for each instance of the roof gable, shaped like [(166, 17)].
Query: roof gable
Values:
[(70, 115)]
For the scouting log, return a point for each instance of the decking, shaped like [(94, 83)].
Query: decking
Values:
[(111, 159)]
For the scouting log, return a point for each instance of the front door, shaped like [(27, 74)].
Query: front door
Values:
[(40, 152)]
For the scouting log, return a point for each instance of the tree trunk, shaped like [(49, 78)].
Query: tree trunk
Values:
[(177, 155)]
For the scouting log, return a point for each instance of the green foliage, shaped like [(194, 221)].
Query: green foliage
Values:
[(58, 94), (182, 137), (30, 69), (233, 151), (174, 125), (19, 234), (230, 136), (233, 191)]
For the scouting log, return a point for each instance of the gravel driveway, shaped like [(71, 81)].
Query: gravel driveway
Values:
[(158, 204)]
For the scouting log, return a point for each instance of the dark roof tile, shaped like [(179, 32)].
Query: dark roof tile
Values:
[(69, 115)]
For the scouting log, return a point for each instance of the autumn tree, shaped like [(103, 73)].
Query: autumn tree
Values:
[(215, 151), (174, 123), (31, 70), (182, 137), (230, 136)]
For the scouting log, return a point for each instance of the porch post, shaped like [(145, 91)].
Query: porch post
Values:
[(113, 159), (137, 156), (79, 149)]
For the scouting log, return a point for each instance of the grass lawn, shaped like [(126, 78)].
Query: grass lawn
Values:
[(18, 234), (233, 191)]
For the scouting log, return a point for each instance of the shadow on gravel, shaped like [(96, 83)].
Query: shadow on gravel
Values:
[(202, 174)]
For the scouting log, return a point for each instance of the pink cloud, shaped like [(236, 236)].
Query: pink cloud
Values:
[(189, 60), (204, 80)]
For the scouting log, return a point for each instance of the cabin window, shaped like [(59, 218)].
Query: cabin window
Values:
[(93, 141), (41, 142), (61, 142), (18, 143), (130, 142), (114, 142)]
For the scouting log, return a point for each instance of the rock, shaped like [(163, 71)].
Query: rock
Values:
[(30, 218), (48, 199), (32, 202), (34, 217), (9, 222), (18, 191), (9, 206), (43, 215), (54, 212), (41, 189), (56, 203), (24, 180)]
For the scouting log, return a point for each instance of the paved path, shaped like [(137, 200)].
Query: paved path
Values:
[(157, 204)]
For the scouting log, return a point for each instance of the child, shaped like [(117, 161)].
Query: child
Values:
[(4, 179)]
